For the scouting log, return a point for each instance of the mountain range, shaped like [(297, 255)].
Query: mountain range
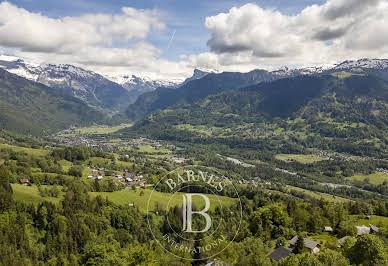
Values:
[(32, 108), (108, 94), (341, 112), (212, 83), (89, 96)]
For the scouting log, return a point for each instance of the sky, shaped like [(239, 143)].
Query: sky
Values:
[(168, 39)]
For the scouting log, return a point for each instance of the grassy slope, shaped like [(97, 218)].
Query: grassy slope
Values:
[(36, 152), (301, 158), (30, 194), (318, 195), (376, 178), (128, 196)]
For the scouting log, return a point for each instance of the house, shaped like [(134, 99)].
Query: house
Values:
[(90, 177), (373, 229), (217, 263), (328, 229), (280, 253), (94, 171), (310, 244), (367, 217), (129, 175), (142, 184), (363, 230), (342, 241), (24, 181), (100, 178)]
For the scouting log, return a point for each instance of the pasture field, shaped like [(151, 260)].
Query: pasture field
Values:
[(376, 178), (379, 221), (30, 151), (318, 195), (140, 199), (301, 158), (30, 194), (101, 130)]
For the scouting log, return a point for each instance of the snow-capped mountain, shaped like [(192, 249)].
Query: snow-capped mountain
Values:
[(115, 93), (378, 64), (90, 87), (139, 85), (200, 73)]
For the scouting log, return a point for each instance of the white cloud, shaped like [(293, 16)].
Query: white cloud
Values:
[(243, 39), (33, 32), (102, 42), (251, 36)]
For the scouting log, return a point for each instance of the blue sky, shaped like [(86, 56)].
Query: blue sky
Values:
[(135, 37)]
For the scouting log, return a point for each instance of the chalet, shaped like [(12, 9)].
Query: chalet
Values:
[(310, 244), (217, 263), (24, 181), (129, 175), (373, 229), (280, 253), (341, 241), (328, 229), (362, 230), (177, 160)]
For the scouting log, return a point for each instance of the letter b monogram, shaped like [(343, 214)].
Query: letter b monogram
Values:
[(188, 213)]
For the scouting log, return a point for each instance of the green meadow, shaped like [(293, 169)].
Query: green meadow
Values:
[(30, 151), (140, 198), (376, 178), (30, 194), (301, 158)]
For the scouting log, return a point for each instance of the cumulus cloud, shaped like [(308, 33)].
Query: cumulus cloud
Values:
[(242, 39), (33, 32), (107, 43), (327, 33)]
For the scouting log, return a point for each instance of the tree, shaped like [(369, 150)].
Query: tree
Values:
[(76, 171), (6, 194), (369, 250), (299, 245), (332, 258)]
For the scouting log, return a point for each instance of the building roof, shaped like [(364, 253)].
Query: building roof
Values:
[(280, 253), (328, 229), (342, 241), (218, 263), (23, 180), (311, 244), (373, 228), (362, 230)]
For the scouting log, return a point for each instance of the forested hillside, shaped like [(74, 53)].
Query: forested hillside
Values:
[(346, 114), (32, 108)]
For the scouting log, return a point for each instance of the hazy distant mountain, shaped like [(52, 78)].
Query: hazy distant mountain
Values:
[(32, 108), (88, 86), (336, 112), (194, 90), (138, 85), (202, 83), (199, 73)]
